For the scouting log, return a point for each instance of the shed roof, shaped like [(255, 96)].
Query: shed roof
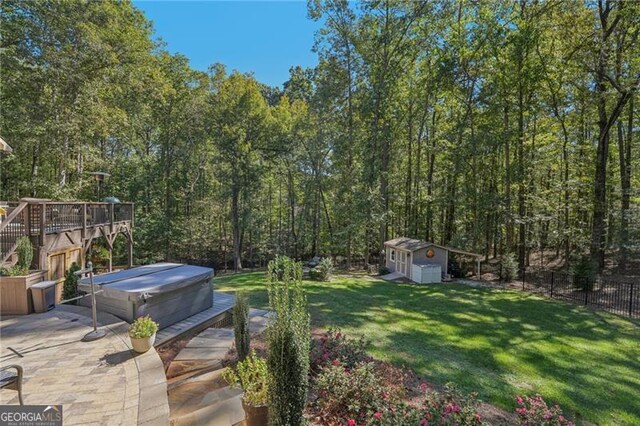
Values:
[(407, 243), (413, 245)]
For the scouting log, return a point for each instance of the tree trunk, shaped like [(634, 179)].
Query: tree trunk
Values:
[(235, 223)]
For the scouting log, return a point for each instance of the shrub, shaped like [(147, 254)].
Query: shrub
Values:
[(252, 376), (383, 270), (333, 345), (356, 394), (313, 274), (24, 250), (288, 337), (535, 412), (70, 287), (584, 274), (508, 268), (325, 269), (143, 327), (241, 325), (451, 407)]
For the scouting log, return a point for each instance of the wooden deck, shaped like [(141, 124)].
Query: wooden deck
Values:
[(222, 306)]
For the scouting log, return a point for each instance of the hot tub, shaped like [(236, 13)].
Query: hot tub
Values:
[(168, 292)]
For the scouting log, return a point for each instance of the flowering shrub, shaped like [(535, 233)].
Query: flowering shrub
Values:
[(355, 396), (450, 407), (533, 411), (332, 346)]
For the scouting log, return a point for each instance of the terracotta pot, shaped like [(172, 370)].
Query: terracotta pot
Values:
[(256, 416), (143, 344)]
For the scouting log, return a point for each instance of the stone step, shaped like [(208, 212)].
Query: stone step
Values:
[(197, 376), (220, 407)]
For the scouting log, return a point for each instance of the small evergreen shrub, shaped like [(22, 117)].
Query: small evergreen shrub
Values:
[(241, 325), (143, 327), (508, 268), (252, 375), (383, 270), (584, 274), (325, 269), (24, 250), (70, 287), (289, 338), (533, 411), (313, 274)]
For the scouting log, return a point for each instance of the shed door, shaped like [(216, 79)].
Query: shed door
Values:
[(402, 262)]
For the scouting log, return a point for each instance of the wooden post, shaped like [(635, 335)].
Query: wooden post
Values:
[(478, 268), (42, 250), (84, 222)]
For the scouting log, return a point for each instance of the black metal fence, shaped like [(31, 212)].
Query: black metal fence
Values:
[(618, 297)]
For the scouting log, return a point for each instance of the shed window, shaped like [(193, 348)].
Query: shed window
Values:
[(393, 255)]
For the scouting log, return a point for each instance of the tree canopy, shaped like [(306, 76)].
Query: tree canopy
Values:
[(499, 127)]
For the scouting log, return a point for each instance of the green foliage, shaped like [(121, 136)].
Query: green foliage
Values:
[(508, 268), (143, 327), (356, 394), (241, 325), (325, 269), (584, 273), (252, 376), (24, 249), (383, 270), (70, 287), (289, 338)]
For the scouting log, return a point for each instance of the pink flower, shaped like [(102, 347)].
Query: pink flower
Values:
[(335, 363), (377, 415), (423, 387), (424, 422), (519, 400), (385, 396), (521, 411), (351, 422)]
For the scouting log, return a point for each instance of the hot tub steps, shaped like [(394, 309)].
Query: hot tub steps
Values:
[(219, 315)]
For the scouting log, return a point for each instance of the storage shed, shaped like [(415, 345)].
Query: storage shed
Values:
[(415, 258)]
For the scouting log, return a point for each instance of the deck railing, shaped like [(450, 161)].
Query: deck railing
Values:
[(35, 217)]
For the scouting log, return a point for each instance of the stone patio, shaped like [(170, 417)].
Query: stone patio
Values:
[(99, 382)]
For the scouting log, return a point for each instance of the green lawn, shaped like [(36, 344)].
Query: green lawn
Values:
[(498, 343)]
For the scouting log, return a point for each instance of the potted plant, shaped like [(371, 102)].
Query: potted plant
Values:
[(252, 376), (143, 334)]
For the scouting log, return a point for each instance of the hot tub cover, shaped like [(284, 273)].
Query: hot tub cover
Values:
[(112, 277), (144, 282)]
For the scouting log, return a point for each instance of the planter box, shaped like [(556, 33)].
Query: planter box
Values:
[(15, 296)]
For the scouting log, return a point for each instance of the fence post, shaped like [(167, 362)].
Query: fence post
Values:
[(631, 300), (523, 277), (552, 281)]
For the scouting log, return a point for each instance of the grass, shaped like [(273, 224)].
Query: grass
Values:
[(498, 343)]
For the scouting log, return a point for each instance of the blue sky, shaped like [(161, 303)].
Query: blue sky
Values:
[(263, 37)]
